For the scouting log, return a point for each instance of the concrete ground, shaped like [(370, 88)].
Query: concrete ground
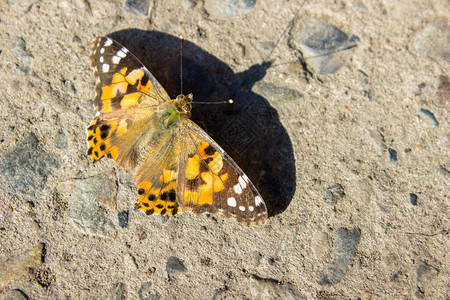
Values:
[(340, 118)]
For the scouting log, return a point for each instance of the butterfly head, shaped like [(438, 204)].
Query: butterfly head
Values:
[(183, 104)]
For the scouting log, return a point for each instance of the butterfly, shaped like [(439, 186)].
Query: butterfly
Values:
[(176, 165)]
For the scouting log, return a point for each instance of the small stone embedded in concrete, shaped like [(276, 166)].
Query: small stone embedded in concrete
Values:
[(334, 193), (429, 115), (433, 40), (137, 7), (360, 6), (345, 242), (61, 140), (14, 295), (267, 288), (118, 292), (188, 4), (26, 167), (123, 219), (23, 55), (222, 9), (273, 92), (256, 257), (146, 292), (321, 45), (392, 155), (19, 265), (394, 277), (443, 91), (413, 199), (84, 202), (175, 266), (425, 276)]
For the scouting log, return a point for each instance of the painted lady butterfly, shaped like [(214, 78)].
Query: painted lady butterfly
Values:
[(177, 166)]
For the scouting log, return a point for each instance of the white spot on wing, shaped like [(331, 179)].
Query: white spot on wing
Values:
[(100, 59), (105, 68), (122, 53), (108, 42), (245, 178), (242, 182), (231, 202), (237, 189), (251, 208), (115, 60), (241, 208), (102, 50), (258, 200)]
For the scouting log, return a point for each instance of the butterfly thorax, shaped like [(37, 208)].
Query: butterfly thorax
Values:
[(177, 110)]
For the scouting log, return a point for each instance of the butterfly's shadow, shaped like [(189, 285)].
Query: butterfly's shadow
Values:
[(249, 130)]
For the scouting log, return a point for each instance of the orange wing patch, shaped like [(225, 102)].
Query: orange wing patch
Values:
[(211, 179), (159, 200), (120, 88)]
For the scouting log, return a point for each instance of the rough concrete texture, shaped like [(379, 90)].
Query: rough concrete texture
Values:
[(340, 118)]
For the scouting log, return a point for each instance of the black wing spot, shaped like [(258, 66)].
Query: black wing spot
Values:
[(103, 147), (145, 204), (210, 150), (163, 212), (104, 135), (141, 191), (163, 196), (90, 151), (96, 153), (105, 127), (159, 206), (144, 80), (95, 141), (172, 195), (151, 197), (149, 211)]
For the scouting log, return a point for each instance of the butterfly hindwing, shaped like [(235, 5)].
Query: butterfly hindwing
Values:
[(192, 173), (157, 178)]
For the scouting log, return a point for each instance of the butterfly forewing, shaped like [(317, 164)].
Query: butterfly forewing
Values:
[(176, 169), (127, 95), (122, 80)]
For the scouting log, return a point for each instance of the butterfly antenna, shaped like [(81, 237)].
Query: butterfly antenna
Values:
[(288, 27), (181, 64), (229, 101)]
